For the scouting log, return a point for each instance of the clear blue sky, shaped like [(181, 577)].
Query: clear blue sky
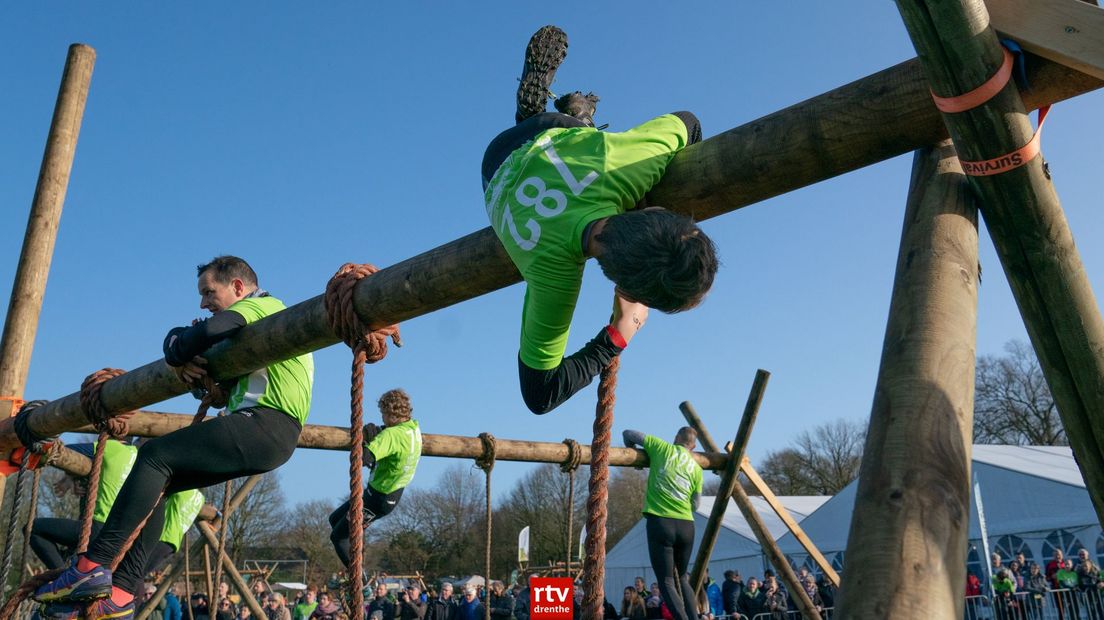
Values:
[(301, 136)]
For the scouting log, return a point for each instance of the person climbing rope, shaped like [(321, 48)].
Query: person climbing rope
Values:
[(674, 489), (392, 452), (558, 191), (268, 409), (50, 536)]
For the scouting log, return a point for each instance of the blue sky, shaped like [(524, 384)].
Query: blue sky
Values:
[(301, 136)]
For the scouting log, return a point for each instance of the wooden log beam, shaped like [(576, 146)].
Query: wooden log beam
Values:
[(730, 478), (959, 50), (1070, 32), (320, 437), (912, 506), (856, 125), (755, 522)]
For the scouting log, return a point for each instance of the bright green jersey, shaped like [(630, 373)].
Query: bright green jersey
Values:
[(181, 510), (284, 386), (541, 200), (397, 450), (1066, 578), (674, 477), (117, 462)]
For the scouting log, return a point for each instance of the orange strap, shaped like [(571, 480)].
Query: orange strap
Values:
[(16, 404), (1012, 160), (981, 94)]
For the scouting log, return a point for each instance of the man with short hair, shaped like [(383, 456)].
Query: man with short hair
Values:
[(392, 453), (559, 191), (382, 603), (306, 607), (674, 489), (268, 408), (502, 605), (523, 598), (411, 606), (731, 590), (469, 607), (442, 607)]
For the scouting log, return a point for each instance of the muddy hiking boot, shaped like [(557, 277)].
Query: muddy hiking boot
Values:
[(578, 105), (546, 50)]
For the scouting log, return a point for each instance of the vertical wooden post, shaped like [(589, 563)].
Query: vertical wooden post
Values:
[(38, 242), (907, 545), (730, 479), (762, 534), (29, 287), (231, 570), (958, 51), (212, 595)]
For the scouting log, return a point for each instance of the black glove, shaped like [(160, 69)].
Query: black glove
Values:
[(370, 432)]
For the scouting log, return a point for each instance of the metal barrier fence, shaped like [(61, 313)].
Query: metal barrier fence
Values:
[(825, 614), (1051, 605)]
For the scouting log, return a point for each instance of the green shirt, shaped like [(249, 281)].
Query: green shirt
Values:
[(284, 386), (1066, 578), (397, 450), (117, 462), (180, 511), (674, 477), (545, 194), (304, 611)]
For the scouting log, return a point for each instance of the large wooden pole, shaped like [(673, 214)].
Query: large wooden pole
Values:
[(755, 522), (865, 122), (29, 288), (959, 50), (730, 478), (907, 545), (231, 571)]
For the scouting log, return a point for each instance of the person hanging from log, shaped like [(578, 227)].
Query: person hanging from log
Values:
[(52, 538), (392, 452), (559, 191), (268, 408), (674, 489)]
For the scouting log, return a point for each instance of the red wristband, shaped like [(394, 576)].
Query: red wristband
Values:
[(616, 336)]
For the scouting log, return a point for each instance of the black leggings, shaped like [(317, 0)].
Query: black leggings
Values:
[(376, 505), (669, 545), (246, 442), (54, 540)]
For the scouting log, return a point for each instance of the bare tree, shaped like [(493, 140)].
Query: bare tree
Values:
[(820, 462), (259, 516), (1012, 402), (627, 487), (306, 527)]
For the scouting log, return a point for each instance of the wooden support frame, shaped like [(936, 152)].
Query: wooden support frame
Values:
[(762, 534), (798, 146), (730, 478), (1070, 32)]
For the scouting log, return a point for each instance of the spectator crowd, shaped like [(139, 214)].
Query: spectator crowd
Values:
[(1024, 590)]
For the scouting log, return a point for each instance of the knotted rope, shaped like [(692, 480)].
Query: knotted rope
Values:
[(38, 447), (109, 426), (594, 564), (369, 346), (48, 453), (486, 462), (569, 466)]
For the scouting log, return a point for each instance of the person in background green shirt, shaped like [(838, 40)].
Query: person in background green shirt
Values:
[(306, 607), (674, 489), (392, 452)]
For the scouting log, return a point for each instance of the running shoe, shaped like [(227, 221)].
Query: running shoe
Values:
[(76, 585), (546, 50), (102, 609)]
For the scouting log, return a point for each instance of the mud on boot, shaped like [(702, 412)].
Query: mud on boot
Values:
[(579, 105), (546, 50)]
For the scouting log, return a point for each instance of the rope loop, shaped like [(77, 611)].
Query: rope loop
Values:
[(574, 456), (344, 320), (486, 462), (23, 431), (104, 421)]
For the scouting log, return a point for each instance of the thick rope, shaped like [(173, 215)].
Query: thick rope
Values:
[(224, 527), (486, 462), (369, 346), (569, 466), (49, 454), (13, 521), (594, 564)]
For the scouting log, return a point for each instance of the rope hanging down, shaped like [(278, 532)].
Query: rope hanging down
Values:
[(486, 462), (569, 466), (369, 346), (594, 564)]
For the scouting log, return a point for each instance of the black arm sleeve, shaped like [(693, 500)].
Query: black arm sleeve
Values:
[(693, 126), (191, 341), (368, 459), (544, 390), (633, 438)]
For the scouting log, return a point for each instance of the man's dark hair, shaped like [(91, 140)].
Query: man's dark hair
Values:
[(226, 268), (686, 436), (658, 258)]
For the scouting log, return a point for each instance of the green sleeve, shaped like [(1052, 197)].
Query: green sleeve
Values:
[(384, 445)]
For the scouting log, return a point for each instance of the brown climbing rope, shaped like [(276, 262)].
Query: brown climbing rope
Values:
[(569, 466), (594, 564), (49, 454), (486, 462), (187, 602), (369, 346), (224, 526)]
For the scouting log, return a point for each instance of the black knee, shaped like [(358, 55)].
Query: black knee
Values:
[(693, 126)]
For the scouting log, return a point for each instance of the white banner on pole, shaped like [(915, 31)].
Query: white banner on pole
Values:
[(984, 532), (523, 544), (582, 542)]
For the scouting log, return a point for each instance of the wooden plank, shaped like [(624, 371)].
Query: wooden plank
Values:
[(760, 485), (1069, 32)]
